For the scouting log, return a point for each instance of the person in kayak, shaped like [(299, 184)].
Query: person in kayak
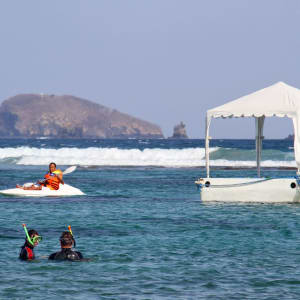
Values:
[(32, 240), (67, 241), (52, 180)]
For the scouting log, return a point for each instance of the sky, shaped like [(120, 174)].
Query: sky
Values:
[(163, 61)]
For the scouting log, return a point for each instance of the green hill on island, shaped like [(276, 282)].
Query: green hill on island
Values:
[(34, 115)]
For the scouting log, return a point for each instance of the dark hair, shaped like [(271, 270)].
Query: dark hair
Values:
[(66, 239), (32, 232), (52, 163)]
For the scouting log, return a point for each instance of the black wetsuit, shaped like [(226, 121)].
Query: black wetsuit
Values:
[(26, 252), (66, 254)]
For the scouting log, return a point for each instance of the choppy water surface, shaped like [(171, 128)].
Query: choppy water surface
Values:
[(148, 237)]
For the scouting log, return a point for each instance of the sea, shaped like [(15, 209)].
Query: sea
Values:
[(142, 226)]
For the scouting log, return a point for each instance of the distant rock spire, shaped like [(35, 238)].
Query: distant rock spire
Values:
[(290, 137), (179, 132)]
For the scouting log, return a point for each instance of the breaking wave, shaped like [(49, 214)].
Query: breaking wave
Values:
[(188, 157)]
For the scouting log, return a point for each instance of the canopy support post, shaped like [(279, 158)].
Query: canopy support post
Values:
[(297, 140), (259, 124), (207, 146)]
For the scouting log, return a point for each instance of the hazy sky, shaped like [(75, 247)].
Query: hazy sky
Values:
[(164, 61)]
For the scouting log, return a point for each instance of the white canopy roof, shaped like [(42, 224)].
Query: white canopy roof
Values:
[(279, 100)]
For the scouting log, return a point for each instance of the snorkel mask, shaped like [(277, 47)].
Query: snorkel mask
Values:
[(67, 238), (34, 239)]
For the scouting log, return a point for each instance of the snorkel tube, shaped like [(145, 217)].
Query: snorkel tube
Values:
[(34, 240), (70, 230), (27, 235), (69, 227)]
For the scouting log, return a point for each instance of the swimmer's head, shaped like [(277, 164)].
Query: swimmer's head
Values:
[(66, 240), (52, 167), (34, 238)]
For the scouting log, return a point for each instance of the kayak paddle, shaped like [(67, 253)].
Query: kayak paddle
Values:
[(69, 170)]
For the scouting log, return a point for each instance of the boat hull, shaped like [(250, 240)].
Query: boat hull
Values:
[(64, 190), (260, 190)]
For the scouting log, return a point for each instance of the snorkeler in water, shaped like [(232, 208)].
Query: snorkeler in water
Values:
[(32, 239), (67, 241)]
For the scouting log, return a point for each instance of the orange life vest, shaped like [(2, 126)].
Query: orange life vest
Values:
[(52, 181)]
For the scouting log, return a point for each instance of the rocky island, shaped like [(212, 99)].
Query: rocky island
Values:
[(290, 137), (179, 132), (39, 115)]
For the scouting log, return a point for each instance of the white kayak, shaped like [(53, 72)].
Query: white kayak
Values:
[(64, 190)]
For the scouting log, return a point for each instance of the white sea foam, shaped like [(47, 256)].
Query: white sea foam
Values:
[(93, 156)]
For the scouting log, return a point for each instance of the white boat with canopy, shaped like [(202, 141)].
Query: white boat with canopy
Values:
[(280, 100)]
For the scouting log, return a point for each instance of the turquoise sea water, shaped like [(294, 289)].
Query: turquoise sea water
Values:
[(144, 228)]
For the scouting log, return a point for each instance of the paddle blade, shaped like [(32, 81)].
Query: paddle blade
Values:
[(69, 170)]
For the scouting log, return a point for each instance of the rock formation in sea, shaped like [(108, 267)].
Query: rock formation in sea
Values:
[(179, 132), (290, 137), (34, 115)]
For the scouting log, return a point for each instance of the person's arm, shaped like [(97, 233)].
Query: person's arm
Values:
[(52, 256), (45, 181), (79, 254), (41, 182), (60, 177), (23, 254)]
